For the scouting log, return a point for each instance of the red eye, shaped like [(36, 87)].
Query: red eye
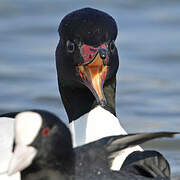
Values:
[(45, 131)]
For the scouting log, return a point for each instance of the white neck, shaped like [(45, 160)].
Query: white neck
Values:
[(96, 124)]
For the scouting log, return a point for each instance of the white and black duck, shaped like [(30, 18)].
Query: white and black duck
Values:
[(87, 63), (43, 150)]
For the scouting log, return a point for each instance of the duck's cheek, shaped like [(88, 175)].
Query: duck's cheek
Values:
[(22, 157)]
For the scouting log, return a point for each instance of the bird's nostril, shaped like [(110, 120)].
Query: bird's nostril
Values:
[(102, 53), (90, 56), (103, 56)]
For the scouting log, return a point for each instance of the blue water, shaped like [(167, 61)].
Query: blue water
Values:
[(148, 88)]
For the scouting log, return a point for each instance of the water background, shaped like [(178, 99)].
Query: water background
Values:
[(148, 86)]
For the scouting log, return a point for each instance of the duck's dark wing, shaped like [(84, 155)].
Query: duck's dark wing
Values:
[(114, 175), (147, 163), (99, 155), (116, 144)]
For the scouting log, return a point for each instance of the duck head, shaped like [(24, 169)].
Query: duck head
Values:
[(87, 61), (42, 141)]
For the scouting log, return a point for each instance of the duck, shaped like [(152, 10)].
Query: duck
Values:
[(43, 150), (87, 63), (147, 163)]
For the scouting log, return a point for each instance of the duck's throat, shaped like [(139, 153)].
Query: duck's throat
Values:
[(96, 124)]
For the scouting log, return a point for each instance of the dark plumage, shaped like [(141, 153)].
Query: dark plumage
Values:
[(56, 159), (55, 156), (89, 28)]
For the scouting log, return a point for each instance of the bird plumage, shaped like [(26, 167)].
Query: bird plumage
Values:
[(56, 157)]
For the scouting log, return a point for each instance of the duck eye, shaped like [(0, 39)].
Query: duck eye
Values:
[(70, 46), (112, 46), (45, 131)]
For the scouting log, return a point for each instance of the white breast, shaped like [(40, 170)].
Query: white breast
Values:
[(96, 124)]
